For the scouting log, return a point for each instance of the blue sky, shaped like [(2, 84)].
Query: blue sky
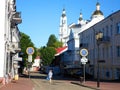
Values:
[(41, 18)]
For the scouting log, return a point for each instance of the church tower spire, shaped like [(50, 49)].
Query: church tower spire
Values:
[(80, 18), (97, 13), (63, 32)]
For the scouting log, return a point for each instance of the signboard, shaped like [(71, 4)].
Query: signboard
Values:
[(83, 52), (29, 58), (84, 60), (30, 50)]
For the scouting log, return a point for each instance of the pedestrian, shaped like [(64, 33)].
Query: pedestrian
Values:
[(50, 74)]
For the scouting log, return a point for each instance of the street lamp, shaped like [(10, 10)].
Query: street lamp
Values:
[(99, 37)]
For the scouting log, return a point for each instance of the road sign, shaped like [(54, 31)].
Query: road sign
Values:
[(84, 60), (83, 52), (30, 50), (30, 58)]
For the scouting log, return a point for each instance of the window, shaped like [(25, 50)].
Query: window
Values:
[(103, 32), (103, 52), (108, 74), (111, 28), (63, 21), (111, 55), (118, 28), (118, 51), (107, 32)]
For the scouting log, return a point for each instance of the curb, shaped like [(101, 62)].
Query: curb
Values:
[(89, 87), (85, 86)]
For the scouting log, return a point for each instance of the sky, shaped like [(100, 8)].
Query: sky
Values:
[(41, 18)]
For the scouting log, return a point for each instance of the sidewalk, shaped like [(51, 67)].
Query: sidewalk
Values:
[(21, 84), (103, 85)]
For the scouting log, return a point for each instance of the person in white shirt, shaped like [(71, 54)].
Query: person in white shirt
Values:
[(50, 75)]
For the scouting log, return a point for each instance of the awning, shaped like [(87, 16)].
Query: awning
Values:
[(61, 50)]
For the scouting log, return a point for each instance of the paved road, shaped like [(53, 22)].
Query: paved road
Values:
[(59, 83)]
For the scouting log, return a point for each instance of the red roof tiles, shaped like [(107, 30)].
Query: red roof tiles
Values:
[(61, 50)]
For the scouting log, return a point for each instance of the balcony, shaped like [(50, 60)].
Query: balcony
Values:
[(104, 40), (14, 47), (16, 18)]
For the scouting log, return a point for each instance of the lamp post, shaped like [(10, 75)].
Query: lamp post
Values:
[(99, 37)]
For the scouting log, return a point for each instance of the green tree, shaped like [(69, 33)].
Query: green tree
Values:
[(52, 39), (25, 42), (47, 54), (53, 42), (58, 44)]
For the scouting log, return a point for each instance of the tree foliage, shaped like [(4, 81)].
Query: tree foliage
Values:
[(47, 54), (53, 42), (52, 39), (58, 44)]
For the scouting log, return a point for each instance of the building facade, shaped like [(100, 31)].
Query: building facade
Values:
[(71, 57), (9, 38), (63, 31), (107, 53)]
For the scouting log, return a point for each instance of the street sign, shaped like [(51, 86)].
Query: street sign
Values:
[(84, 60), (83, 52), (30, 50), (29, 58)]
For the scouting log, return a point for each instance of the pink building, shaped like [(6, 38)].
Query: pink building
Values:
[(36, 64)]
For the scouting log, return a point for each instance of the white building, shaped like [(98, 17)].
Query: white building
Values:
[(107, 52), (106, 55), (9, 39), (36, 64), (71, 58), (63, 32)]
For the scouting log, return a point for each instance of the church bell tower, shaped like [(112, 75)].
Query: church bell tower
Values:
[(63, 32)]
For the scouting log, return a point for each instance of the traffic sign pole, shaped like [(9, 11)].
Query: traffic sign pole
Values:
[(84, 72), (84, 53), (30, 52)]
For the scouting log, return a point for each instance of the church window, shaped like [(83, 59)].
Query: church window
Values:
[(63, 21)]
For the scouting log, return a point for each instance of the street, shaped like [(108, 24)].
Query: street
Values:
[(58, 83)]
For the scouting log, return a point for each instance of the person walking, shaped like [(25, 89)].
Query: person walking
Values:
[(49, 77)]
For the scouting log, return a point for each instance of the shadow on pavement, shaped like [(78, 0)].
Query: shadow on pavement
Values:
[(38, 75), (34, 76)]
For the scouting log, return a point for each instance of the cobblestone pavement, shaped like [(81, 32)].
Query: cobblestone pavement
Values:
[(40, 83), (21, 84), (103, 85)]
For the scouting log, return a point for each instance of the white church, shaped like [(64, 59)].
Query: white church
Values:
[(68, 34), (104, 57)]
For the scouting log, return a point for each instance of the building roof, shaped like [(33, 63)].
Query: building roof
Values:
[(61, 50), (97, 11)]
